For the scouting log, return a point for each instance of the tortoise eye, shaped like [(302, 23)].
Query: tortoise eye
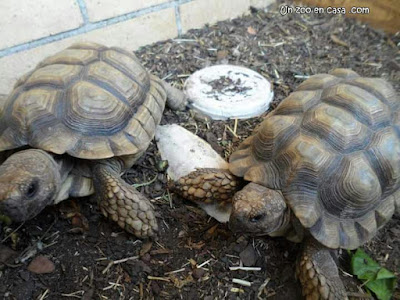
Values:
[(32, 189), (257, 218)]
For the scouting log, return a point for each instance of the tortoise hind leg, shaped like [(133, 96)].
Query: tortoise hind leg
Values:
[(121, 202), (318, 273)]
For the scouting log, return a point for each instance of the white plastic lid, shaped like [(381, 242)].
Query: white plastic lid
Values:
[(228, 91)]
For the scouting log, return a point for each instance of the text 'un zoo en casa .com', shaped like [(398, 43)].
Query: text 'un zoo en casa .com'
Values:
[(290, 9)]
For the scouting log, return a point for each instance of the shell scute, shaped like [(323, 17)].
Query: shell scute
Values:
[(363, 106), (337, 127), (128, 66), (383, 154), (107, 77), (88, 101), (72, 57), (319, 81), (58, 75)]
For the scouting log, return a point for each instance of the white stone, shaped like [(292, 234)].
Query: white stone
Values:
[(185, 151), (227, 91)]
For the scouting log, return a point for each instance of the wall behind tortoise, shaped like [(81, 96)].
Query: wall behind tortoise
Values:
[(384, 14), (32, 30)]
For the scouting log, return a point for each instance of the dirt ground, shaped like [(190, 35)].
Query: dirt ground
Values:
[(94, 259)]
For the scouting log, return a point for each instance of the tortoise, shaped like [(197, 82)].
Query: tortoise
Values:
[(70, 128), (323, 168)]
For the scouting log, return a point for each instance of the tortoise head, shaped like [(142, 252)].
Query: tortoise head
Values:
[(29, 181), (258, 210)]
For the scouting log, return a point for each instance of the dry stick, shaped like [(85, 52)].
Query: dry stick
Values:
[(44, 294), (204, 263), (176, 271), (230, 129), (245, 268), (11, 233), (158, 278), (235, 126), (74, 294), (115, 262), (241, 282), (262, 287)]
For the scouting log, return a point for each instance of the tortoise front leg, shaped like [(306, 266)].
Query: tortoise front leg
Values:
[(207, 185), (318, 273), (176, 99), (121, 202), (211, 189)]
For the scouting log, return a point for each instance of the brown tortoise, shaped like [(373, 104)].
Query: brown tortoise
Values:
[(73, 125), (323, 167)]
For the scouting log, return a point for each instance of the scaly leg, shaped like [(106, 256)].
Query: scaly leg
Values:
[(207, 185), (121, 202), (176, 99), (318, 273)]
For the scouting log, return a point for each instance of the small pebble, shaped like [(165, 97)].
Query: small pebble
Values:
[(198, 273), (146, 257), (41, 265), (155, 288), (25, 275), (248, 256), (158, 186)]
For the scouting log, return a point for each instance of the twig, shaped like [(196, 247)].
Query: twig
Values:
[(204, 263), (245, 268), (174, 272), (158, 278), (241, 282), (11, 233), (44, 294), (230, 129), (115, 262), (261, 288), (235, 126), (77, 294), (145, 183), (112, 285)]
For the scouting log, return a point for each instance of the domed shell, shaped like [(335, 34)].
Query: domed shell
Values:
[(88, 101), (333, 148)]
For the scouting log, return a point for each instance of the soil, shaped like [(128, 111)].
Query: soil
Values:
[(95, 259)]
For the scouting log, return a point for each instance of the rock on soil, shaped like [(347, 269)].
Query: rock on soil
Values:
[(41, 265)]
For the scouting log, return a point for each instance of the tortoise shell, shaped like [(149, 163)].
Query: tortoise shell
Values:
[(88, 101), (333, 148)]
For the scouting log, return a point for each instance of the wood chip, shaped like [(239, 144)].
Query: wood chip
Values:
[(338, 41)]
